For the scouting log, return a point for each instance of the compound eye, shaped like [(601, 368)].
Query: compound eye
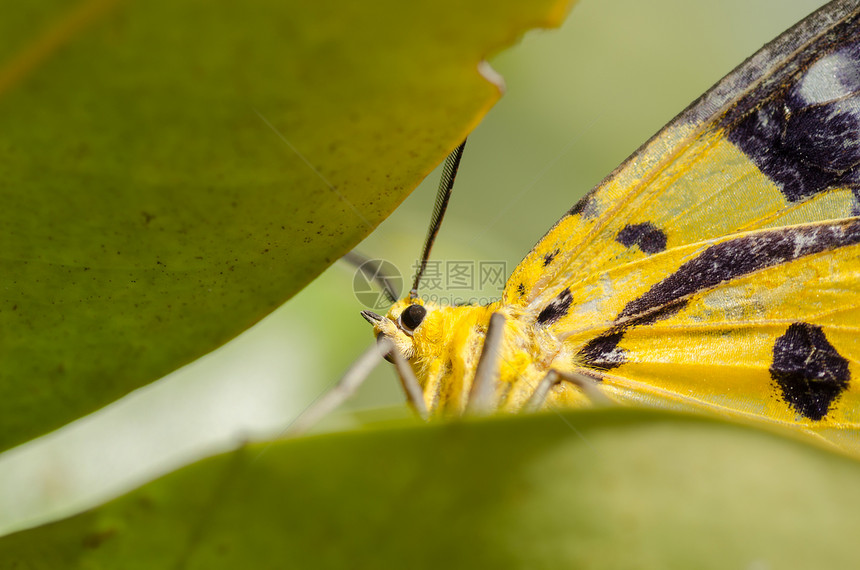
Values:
[(411, 317)]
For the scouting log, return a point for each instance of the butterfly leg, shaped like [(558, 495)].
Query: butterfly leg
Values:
[(413, 391), (584, 382), (483, 390), (352, 379)]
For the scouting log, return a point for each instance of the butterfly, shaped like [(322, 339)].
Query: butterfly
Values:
[(716, 269)]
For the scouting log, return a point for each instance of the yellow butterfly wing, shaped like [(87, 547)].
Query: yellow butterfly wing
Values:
[(719, 266)]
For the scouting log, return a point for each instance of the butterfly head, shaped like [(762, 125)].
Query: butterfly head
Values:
[(401, 324)]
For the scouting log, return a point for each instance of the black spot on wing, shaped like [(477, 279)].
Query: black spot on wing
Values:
[(548, 258), (647, 236), (521, 289), (780, 61), (806, 136), (662, 313), (585, 206), (741, 256), (556, 309), (851, 181), (759, 136), (809, 372), (602, 353)]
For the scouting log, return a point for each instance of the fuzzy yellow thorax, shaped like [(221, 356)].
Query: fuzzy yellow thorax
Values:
[(444, 350)]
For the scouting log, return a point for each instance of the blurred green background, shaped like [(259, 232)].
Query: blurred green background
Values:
[(579, 100)]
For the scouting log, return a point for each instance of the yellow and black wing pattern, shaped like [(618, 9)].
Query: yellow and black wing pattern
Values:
[(719, 266)]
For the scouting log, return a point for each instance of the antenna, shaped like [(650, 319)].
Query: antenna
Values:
[(446, 184)]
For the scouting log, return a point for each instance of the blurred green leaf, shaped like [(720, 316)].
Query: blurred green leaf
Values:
[(596, 489), (173, 171)]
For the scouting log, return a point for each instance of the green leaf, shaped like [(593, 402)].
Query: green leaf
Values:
[(596, 489), (173, 171)]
